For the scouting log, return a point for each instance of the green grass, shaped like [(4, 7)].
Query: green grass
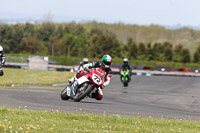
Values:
[(36, 77), (30, 121)]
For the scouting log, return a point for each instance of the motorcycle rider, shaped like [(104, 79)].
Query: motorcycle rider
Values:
[(80, 68), (82, 63), (2, 60), (126, 66), (104, 67)]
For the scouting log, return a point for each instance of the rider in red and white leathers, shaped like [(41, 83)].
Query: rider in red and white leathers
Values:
[(105, 69), (98, 95)]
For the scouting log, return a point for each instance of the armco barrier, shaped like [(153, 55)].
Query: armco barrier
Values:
[(15, 65), (159, 73), (115, 70)]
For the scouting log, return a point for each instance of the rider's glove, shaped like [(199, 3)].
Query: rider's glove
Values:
[(107, 82), (103, 86), (78, 71)]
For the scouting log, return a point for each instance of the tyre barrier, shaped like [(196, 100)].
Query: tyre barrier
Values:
[(157, 73), (115, 71)]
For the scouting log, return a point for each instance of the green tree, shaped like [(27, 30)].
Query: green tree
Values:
[(46, 30), (94, 49), (103, 42), (168, 51), (196, 56), (150, 52), (177, 56), (132, 48), (30, 44), (141, 48), (185, 55), (157, 51)]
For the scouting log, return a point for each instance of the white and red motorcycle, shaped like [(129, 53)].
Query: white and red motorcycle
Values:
[(86, 85)]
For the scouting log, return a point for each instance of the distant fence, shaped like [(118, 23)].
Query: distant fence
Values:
[(16, 59)]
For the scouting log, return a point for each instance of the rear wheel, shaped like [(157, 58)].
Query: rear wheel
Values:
[(83, 92), (64, 95)]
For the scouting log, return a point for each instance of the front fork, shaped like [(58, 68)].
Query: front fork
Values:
[(75, 86)]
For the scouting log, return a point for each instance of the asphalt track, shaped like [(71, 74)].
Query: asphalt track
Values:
[(155, 96)]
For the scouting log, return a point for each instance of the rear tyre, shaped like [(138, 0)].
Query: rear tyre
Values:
[(64, 95), (83, 92)]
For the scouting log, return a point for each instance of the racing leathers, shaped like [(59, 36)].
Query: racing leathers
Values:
[(80, 67), (98, 93), (2, 61)]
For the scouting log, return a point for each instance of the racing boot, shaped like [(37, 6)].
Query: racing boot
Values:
[(97, 94)]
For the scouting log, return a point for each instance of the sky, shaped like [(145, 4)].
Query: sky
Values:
[(142, 12)]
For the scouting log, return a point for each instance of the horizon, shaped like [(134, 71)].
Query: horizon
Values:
[(60, 19), (140, 12)]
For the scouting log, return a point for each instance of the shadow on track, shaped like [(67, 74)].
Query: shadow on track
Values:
[(85, 102)]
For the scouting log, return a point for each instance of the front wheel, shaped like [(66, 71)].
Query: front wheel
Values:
[(125, 82), (83, 92), (64, 95)]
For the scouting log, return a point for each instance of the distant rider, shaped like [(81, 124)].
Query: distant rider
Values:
[(126, 66), (80, 67), (2, 60), (105, 69)]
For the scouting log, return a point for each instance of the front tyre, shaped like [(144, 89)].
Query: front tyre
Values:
[(83, 92), (125, 82), (64, 95)]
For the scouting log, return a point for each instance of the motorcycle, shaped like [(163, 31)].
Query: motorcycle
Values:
[(87, 84), (125, 77)]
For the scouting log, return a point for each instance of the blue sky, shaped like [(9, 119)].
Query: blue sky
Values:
[(143, 12)]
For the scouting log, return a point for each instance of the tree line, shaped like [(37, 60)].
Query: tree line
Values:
[(77, 40)]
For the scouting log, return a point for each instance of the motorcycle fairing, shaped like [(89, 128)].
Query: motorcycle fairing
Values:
[(82, 80), (124, 74)]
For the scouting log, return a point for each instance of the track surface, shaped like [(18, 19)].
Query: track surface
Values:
[(156, 96)]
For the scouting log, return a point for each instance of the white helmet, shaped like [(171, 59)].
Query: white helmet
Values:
[(125, 60), (1, 49), (85, 60)]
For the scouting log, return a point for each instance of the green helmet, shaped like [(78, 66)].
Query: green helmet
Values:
[(106, 61)]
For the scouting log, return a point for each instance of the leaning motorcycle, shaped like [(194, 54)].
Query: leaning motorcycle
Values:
[(86, 85), (125, 77)]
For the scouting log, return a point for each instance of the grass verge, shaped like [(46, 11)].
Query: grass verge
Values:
[(29, 121), (36, 77)]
